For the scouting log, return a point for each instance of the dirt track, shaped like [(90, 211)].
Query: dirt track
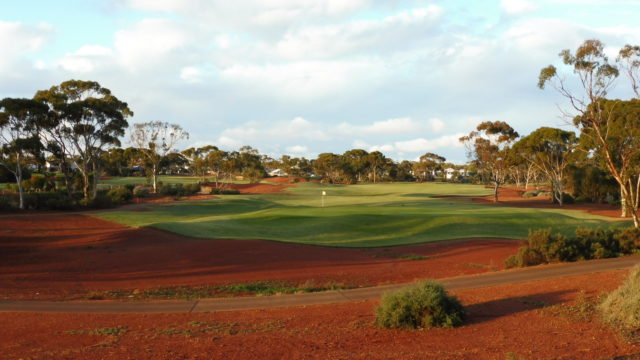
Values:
[(458, 283)]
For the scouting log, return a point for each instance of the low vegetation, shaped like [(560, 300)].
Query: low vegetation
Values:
[(201, 292), (621, 308), (423, 305), (543, 246)]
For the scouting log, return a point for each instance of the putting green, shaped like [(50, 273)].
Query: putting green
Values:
[(356, 216)]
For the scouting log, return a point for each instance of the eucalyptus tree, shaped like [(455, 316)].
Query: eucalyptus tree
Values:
[(595, 116), (488, 147), (620, 131), (377, 164), (156, 139), (428, 165), (357, 161), (551, 151), (84, 120), (18, 122), (198, 159)]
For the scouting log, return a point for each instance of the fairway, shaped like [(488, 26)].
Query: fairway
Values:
[(356, 216)]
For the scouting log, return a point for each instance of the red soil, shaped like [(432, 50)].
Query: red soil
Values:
[(285, 180), (502, 320), (259, 188), (67, 256), (511, 196)]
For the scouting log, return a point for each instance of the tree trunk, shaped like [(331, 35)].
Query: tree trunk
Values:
[(85, 184), (495, 191), (155, 178), (623, 203), (18, 175), (94, 181), (559, 192)]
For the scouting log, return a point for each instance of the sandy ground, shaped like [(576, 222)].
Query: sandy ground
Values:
[(550, 319)]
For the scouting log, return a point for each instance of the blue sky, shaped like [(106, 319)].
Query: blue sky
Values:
[(302, 77)]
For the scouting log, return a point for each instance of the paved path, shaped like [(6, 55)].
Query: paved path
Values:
[(328, 297)]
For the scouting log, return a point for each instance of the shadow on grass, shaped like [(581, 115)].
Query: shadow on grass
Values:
[(489, 310)]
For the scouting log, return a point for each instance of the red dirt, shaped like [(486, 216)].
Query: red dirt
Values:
[(511, 196), (67, 256), (259, 188), (502, 320), (285, 179)]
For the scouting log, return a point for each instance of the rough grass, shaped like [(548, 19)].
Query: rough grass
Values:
[(423, 305), (621, 307), (201, 292), (356, 216)]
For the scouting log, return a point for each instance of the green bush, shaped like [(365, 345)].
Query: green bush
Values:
[(120, 195), (191, 189), (141, 191), (530, 194), (423, 305), (544, 247), (101, 201), (224, 192), (622, 307)]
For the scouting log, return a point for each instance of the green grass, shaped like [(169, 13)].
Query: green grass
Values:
[(357, 216)]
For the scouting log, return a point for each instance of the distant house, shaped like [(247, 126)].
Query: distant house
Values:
[(277, 172)]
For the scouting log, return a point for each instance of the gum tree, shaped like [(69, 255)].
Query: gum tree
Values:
[(488, 146), (595, 116), (18, 124), (84, 120), (155, 139), (551, 151)]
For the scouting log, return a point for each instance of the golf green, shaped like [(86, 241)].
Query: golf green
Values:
[(356, 216)]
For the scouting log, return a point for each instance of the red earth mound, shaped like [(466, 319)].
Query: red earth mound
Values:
[(259, 188), (550, 319), (67, 256)]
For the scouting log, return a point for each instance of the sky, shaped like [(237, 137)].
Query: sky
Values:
[(302, 77)]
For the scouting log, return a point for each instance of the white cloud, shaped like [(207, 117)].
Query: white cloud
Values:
[(191, 75), (395, 126), (149, 42), (518, 7), (303, 80), (297, 149), (86, 59), (422, 144), (18, 39), (250, 132)]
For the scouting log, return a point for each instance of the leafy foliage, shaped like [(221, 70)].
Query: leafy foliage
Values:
[(424, 305)]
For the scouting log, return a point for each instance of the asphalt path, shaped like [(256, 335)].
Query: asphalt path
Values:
[(329, 297)]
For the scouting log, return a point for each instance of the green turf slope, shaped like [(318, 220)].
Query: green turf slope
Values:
[(355, 216)]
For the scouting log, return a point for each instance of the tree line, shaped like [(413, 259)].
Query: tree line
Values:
[(78, 126)]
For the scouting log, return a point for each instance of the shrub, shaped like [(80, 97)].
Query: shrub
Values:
[(622, 307), (130, 187), (424, 305), (543, 246), (530, 194), (526, 256), (101, 201), (225, 192), (120, 195), (190, 189), (59, 201), (141, 191)]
